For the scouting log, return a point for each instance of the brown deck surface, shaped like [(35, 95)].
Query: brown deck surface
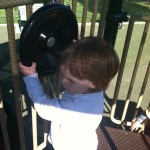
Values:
[(118, 139)]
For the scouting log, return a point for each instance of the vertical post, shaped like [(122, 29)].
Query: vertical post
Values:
[(102, 20), (113, 18), (3, 123), (74, 6), (84, 15), (15, 76), (121, 70), (95, 8)]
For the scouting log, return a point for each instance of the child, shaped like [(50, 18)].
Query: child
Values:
[(86, 68), (136, 123)]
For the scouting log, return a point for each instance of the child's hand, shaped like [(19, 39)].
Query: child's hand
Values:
[(27, 70), (75, 40), (135, 125)]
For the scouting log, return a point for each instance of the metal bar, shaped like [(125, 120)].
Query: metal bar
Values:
[(11, 38), (61, 1), (3, 123), (46, 131), (95, 8), (74, 6), (34, 128), (142, 90), (29, 10), (84, 15), (43, 145), (103, 18), (45, 81), (121, 70), (14, 65), (141, 18), (135, 70), (13, 3), (111, 27)]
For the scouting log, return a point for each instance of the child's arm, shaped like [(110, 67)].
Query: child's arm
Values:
[(36, 92)]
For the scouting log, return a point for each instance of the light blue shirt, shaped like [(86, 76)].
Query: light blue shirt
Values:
[(74, 117)]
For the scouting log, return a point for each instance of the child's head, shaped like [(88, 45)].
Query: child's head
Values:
[(92, 59)]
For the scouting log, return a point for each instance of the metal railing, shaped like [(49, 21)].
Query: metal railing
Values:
[(8, 5), (3, 123), (136, 66)]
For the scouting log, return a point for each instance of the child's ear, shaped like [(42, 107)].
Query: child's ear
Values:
[(91, 85)]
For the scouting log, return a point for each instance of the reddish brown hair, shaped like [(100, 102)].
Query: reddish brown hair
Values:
[(93, 59)]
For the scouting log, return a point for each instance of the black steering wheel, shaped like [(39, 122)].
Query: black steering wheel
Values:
[(45, 35)]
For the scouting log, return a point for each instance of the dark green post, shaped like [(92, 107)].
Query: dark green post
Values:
[(114, 16)]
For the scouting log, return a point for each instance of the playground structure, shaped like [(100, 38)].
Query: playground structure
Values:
[(104, 133)]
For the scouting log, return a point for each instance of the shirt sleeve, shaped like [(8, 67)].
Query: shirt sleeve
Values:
[(43, 104), (51, 109)]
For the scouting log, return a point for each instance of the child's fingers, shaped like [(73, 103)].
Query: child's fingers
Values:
[(21, 66), (136, 128), (131, 129), (34, 64), (79, 37), (74, 40)]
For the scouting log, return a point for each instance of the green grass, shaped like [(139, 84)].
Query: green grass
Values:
[(137, 7), (133, 7), (3, 15), (79, 10)]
